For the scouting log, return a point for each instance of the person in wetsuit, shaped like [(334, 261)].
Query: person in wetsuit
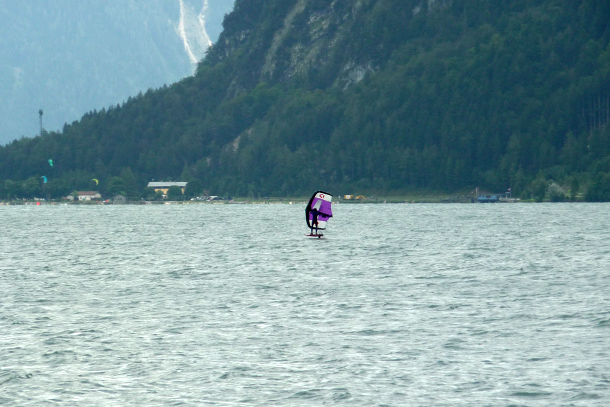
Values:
[(314, 219)]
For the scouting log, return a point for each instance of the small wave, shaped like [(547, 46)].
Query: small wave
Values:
[(373, 332), (239, 372), (532, 394), (537, 359), (604, 323), (8, 376), (586, 396), (60, 355), (340, 394), (307, 394)]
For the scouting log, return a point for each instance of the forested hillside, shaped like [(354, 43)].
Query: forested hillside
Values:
[(382, 96)]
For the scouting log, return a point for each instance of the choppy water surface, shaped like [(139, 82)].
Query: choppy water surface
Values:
[(399, 305)]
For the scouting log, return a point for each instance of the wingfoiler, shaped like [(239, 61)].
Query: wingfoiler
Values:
[(318, 212)]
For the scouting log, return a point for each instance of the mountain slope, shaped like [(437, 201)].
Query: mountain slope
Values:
[(368, 95), (68, 58)]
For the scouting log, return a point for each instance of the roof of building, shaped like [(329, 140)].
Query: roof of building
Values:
[(87, 192), (166, 184)]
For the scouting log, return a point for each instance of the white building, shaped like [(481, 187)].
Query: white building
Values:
[(85, 196)]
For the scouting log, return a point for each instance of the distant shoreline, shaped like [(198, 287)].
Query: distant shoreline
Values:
[(419, 199)]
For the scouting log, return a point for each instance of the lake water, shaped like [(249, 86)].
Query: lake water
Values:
[(232, 305)]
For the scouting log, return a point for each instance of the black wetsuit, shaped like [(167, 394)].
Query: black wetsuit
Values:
[(314, 220)]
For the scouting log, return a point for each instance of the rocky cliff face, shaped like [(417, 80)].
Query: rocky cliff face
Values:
[(323, 43), (305, 37), (68, 58)]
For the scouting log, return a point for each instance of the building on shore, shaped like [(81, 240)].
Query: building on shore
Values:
[(84, 196), (165, 186)]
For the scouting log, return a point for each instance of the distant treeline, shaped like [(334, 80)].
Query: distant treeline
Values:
[(491, 94)]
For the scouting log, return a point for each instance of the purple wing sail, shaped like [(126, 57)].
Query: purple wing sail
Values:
[(321, 201)]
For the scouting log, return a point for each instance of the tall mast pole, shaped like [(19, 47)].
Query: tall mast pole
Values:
[(40, 114)]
